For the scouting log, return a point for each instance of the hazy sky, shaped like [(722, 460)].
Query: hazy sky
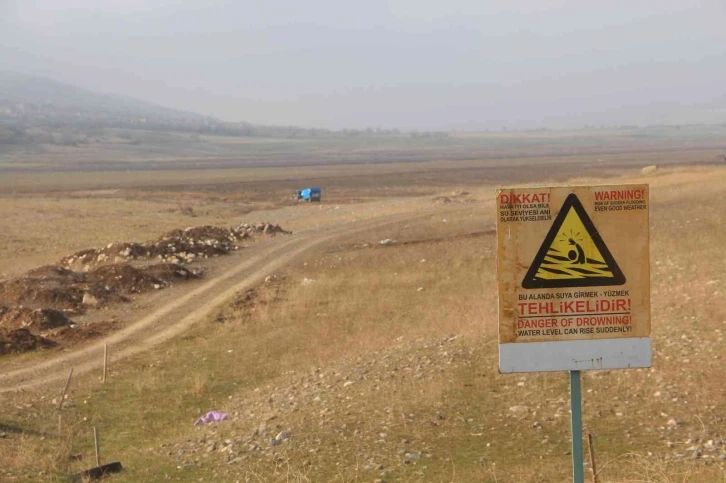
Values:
[(413, 64)]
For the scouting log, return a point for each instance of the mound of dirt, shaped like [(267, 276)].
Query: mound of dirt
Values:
[(21, 340), (58, 288), (55, 272), (84, 260), (173, 247), (263, 228), (124, 278), (42, 292), (168, 272), (456, 196), (99, 294), (37, 319), (53, 287), (195, 242), (39, 301)]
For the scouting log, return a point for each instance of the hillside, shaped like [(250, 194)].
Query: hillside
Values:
[(39, 102), (36, 110)]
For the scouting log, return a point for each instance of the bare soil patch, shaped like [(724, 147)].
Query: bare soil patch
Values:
[(43, 298), (61, 293), (36, 319), (21, 340)]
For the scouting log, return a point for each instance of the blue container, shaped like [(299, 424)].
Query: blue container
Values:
[(311, 194)]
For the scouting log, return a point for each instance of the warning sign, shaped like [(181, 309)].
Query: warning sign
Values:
[(573, 254), (574, 278)]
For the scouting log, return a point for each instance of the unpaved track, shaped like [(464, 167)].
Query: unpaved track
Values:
[(177, 316)]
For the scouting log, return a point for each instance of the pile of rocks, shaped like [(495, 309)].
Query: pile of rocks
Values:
[(21, 328), (123, 278), (73, 292), (12, 318), (21, 340), (261, 228), (177, 246), (37, 304), (703, 446), (55, 292)]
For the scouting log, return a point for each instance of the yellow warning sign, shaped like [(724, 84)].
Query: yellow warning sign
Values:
[(573, 254), (573, 277)]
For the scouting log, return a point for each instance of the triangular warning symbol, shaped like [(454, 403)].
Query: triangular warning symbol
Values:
[(573, 254)]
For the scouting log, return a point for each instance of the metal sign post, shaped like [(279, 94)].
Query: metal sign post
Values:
[(574, 284), (578, 472)]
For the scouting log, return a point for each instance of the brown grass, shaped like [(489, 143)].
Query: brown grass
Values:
[(49, 214), (365, 305)]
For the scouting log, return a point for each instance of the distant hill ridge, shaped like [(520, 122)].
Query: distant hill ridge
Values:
[(38, 100), (33, 109)]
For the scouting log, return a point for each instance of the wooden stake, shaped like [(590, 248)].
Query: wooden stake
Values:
[(95, 442), (65, 390), (591, 450), (105, 362), (60, 426)]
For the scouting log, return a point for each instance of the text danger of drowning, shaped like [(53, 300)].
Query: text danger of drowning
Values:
[(583, 321)]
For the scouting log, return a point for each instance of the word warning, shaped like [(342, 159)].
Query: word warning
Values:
[(573, 265)]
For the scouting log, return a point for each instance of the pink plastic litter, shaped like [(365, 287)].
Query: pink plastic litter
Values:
[(211, 417)]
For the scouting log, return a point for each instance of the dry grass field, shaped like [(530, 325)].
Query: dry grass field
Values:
[(49, 214), (358, 362)]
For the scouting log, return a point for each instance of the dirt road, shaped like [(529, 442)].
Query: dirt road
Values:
[(176, 316)]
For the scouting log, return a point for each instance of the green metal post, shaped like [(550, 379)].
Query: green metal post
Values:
[(578, 472)]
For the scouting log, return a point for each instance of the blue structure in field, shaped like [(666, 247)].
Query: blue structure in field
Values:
[(309, 194)]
